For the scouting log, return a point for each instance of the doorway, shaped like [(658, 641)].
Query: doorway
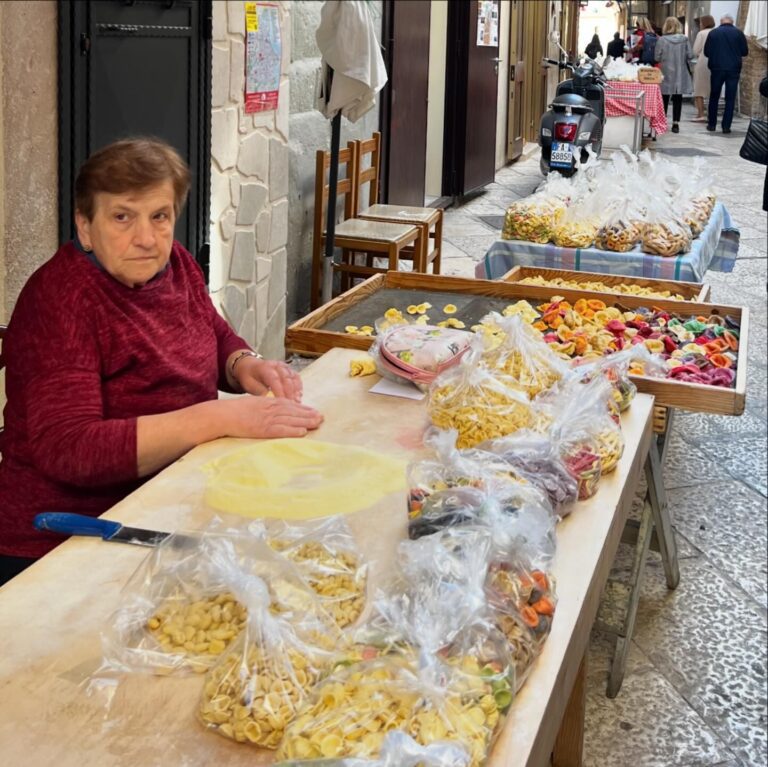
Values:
[(130, 69)]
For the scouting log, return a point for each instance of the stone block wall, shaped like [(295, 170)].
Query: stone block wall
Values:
[(310, 131), (249, 188), (29, 195), (754, 69)]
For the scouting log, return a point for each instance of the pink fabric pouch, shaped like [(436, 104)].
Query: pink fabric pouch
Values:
[(419, 353)]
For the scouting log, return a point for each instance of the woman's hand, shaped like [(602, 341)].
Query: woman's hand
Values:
[(162, 438), (269, 417), (256, 376)]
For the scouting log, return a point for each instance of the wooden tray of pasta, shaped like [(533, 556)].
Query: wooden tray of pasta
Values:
[(690, 291), (326, 327)]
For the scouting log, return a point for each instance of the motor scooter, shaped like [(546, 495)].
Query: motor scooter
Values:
[(575, 119)]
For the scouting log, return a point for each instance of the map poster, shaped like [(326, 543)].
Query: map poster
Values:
[(262, 57)]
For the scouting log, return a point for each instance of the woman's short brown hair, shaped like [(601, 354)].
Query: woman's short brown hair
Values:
[(672, 26), (130, 165), (706, 22)]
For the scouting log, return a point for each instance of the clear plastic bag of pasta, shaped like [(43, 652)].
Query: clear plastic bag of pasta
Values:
[(523, 355), (446, 568), (532, 219), (615, 369), (621, 228), (584, 428), (577, 227), (697, 211), (397, 750), (481, 654), (178, 612), (349, 713), (326, 554), (450, 487), (479, 403), (289, 642), (665, 232), (522, 601), (535, 459)]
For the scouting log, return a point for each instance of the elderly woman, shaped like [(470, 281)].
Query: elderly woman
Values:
[(673, 52), (701, 77), (115, 353)]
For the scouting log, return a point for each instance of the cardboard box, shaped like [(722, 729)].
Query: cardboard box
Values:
[(649, 75)]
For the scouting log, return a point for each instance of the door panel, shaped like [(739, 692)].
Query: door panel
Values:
[(515, 131), (404, 118), (137, 69), (482, 89)]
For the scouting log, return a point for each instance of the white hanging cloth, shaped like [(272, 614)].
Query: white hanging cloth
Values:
[(348, 45), (757, 23)]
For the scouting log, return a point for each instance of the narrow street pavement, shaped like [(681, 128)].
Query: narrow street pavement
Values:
[(694, 692)]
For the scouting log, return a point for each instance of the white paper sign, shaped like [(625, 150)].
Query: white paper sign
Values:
[(392, 389)]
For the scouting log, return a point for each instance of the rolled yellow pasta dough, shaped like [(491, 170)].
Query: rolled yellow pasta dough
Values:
[(300, 479)]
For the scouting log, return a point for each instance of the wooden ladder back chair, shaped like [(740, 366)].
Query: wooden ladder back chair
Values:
[(428, 220), (345, 186), (353, 235)]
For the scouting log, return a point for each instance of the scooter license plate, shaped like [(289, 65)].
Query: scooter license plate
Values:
[(562, 156)]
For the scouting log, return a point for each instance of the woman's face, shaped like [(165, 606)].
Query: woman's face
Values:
[(131, 234)]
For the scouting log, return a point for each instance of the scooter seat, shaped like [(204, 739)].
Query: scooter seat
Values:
[(578, 104)]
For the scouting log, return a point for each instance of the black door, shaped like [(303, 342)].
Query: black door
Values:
[(404, 102), (469, 155), (137, 67)]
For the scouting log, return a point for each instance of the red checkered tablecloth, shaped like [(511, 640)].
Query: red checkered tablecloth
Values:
[(623, 105)]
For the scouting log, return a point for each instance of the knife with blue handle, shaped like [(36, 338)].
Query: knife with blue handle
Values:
[(106, 529)]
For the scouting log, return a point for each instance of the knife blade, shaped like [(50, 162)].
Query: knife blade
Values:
[(106, 529)]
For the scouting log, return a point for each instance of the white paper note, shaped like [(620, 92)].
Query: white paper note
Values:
[(392, 389)]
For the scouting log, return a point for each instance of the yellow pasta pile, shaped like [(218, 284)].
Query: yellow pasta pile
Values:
[(252, 698), (203, 627), (482, 408), (349, 715), (336, 577), (601, 287)]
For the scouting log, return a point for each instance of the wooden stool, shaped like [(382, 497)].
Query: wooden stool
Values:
[(429, 220), (379, 238)]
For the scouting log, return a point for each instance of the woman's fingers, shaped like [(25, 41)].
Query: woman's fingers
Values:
[(275, 417)]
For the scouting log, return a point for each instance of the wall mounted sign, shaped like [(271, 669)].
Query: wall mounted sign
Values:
[(263, 53), (488, 23)]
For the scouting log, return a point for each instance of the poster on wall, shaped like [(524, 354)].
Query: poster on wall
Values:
[(262, 57), (488, 23)]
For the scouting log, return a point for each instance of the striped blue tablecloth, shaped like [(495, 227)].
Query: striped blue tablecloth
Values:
[(716, 248)]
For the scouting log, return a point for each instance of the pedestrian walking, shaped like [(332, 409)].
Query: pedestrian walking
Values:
[(673, 52), (701, 76), (725, 48), (646, 43), (594, 48), (616, 46)]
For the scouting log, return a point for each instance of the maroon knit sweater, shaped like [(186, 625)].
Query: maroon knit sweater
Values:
[(86, 355)]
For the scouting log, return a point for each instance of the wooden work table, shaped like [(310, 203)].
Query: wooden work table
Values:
[(53, 712)]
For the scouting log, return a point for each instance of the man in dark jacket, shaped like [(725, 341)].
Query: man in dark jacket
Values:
[(616, 46), (724, 49)]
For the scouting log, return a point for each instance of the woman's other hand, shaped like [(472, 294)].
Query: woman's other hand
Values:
[(258, 376)]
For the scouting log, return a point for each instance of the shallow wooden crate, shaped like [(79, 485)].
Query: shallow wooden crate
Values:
[(691, 291), (322, 329)]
